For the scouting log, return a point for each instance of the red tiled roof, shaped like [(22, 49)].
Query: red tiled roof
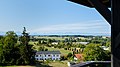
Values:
[(79, 56)]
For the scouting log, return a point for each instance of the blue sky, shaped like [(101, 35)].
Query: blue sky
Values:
[(50, 17)]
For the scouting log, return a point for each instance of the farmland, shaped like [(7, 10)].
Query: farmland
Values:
[(63, 52)]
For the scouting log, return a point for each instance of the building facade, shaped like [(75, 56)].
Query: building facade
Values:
[(45, 55)]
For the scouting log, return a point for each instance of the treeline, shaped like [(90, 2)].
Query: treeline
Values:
[(63, 36), (14, 52)]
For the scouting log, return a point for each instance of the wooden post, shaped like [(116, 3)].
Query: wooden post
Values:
[(115, 33)]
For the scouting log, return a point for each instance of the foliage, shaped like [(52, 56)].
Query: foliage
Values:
[(41, 48), (65, 48), (8, 49), (46, 49), (26, 52), (93, 52), (13, 53), (69, 55), (108, 44), (63, 57), (81, 46)]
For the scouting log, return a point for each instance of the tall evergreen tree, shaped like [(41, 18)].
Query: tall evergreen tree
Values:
[(25, 49)]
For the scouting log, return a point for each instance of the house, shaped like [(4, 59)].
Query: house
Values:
[(54, 43), (104, 37), (84, 43), (105, 48), (44, 55), (78, 57)]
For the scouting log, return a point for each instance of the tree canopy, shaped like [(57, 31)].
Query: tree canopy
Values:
[(13, 53), (93, 52)]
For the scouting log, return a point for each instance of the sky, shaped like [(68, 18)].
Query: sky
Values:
[(50, 17)]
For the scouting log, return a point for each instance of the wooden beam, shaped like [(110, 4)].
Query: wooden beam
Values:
[(102, 9), (115, 29)]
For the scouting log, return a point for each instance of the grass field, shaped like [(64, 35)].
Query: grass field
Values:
[(58, 64), (63, 52)]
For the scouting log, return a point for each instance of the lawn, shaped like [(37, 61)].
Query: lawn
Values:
[(63, 52), (58, 64)]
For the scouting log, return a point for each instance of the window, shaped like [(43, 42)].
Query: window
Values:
[(53, 55), (45, 55), (45, 58), (53, 58), (36, 55), (57, 55), (40, 55), (40, 58), (36, 58), (49, 55)]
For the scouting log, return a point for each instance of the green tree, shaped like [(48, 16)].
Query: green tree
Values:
[(69, 55), (41, 48), (81, 46), (1, 54), (108, 44), (46, 49), (26, 50), (93, 52), (8, 49), (49, 41), (13, 53), (10, 39), (1, 37)]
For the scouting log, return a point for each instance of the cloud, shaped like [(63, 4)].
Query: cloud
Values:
[(96, 26)]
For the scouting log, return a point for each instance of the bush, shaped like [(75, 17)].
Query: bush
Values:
[(63, 57), (69, 55), (46, 49), (65, 48)]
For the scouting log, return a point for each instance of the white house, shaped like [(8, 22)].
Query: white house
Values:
[(54, 43), (44, 55), (105, 48), (84, 43), (104, 37)]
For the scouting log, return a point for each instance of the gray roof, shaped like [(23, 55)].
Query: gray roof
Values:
[(48, 52)]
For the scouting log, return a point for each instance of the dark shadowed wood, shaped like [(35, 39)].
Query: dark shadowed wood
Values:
[(87, 3), (115, 29)]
